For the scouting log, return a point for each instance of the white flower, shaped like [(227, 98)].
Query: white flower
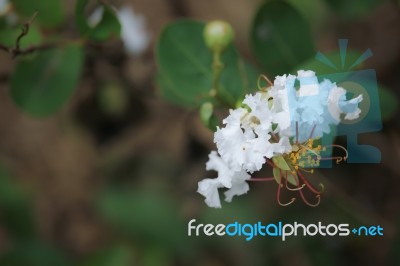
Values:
[(209, 189), (260, 116), (235, 180), (268, 126), (240, 147), (311, 108), (134, 34)]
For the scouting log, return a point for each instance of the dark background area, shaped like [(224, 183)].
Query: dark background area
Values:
[(111, 179)]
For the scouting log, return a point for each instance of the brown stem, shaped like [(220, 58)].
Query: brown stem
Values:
[(17, 50)]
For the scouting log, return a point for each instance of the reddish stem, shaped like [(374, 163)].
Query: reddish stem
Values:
[(307, 202), (311, 187)]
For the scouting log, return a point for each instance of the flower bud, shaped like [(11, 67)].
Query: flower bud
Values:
[(218, 35)]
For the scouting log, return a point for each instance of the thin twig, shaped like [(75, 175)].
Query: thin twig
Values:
[(17, 50), (4, 48), (25, 31)]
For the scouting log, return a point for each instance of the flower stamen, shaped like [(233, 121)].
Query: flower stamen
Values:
[(309, 185), (278, 195), (318, 197), (265, 78)]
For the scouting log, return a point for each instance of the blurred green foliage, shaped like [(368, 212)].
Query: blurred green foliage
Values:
[(44, 81), (42, 84), (354, 9), (280, 38), (281, 41), (51, 12), (107, 27), (8, 36), (185, 76)]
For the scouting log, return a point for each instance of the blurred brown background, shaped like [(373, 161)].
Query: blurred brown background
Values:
[(155, 148)]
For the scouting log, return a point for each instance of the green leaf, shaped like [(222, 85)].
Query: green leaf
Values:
[(8, 37), (280, 162), (207, 116), (42, 84), (280, 37), (184, 67), (50, 13), (108, 27), (355, 8), (389, 103)]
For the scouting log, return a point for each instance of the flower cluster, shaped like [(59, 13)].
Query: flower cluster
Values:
[(277, 125)]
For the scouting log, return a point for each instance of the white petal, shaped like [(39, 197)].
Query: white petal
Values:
[(134, 34), (239, 187), (217, 164), (333, 102), (209, 189)]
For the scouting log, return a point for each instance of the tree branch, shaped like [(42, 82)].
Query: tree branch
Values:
[(17, 50)]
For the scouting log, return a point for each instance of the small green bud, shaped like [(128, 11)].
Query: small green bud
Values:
[(218, 35), (113, 99), (207, 116)]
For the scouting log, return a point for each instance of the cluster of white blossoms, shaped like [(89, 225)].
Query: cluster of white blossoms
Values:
[(270, 122)]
